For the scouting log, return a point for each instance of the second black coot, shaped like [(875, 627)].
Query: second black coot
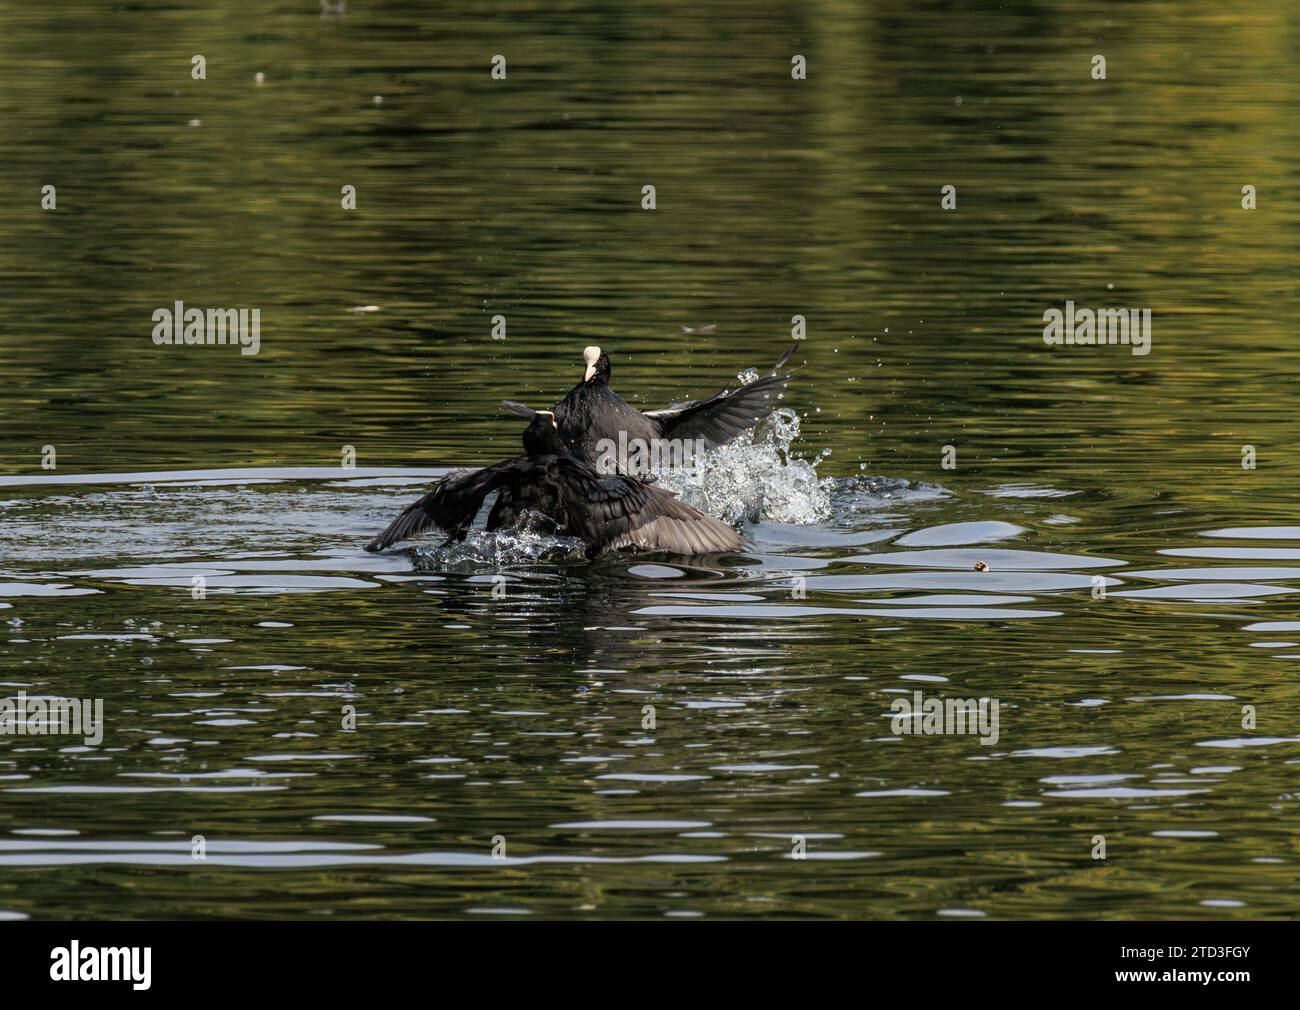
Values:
[(605, 511)]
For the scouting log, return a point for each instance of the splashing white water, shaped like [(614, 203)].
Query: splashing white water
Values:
[(481, 549), (534, 538), (756, 479)]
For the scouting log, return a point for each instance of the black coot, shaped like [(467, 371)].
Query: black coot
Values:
[(605, 511), (592, 412)]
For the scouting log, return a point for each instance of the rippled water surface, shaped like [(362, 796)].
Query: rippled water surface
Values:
[(360, 735)]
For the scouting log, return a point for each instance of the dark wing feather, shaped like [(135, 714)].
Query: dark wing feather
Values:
[(453, 504), (612, 512), (780, 362), (721, 417), (515, 407)]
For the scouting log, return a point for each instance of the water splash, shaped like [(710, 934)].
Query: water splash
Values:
[(755, 480), (480, 549)]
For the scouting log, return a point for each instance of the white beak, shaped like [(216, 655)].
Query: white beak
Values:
[(591, 355)]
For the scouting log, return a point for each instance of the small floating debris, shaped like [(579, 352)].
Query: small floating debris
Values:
[(703, 330), (259, 78), (195, 122), (378, 99), (365, 308), (980, 566)]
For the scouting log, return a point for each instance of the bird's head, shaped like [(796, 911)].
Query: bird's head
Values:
[(542, 436), (597, 364)]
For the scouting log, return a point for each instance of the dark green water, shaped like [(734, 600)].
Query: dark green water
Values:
[(522, 715)]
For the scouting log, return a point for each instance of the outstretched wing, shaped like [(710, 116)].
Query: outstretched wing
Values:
[(721, 417), (452, 505), (613, 511)]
